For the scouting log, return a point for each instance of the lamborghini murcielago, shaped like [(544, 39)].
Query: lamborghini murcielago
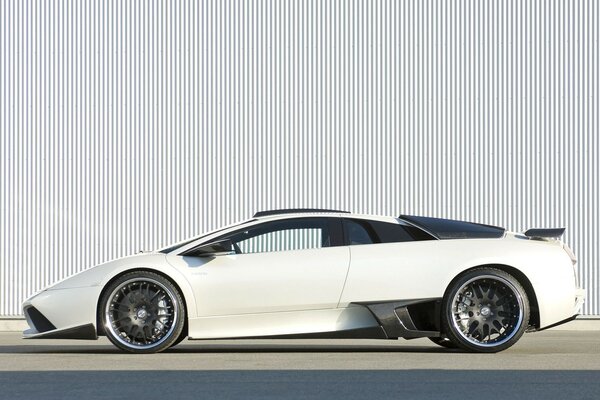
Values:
[(311, 273)]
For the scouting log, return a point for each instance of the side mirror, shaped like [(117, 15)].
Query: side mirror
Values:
[(219, 248)]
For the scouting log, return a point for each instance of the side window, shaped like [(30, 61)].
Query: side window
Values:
[(390, 233), (366, 232), (292, 234), (357, 232)]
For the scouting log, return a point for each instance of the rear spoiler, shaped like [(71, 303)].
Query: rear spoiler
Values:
[(537, 233)]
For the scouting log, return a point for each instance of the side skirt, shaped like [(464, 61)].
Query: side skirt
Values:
[(375, 332), (408, 319)]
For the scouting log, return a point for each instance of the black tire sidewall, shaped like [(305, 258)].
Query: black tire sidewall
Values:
[(177, 330), (447, 308), (444, 342)]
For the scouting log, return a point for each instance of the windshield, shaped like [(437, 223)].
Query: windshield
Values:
[(186, 242)]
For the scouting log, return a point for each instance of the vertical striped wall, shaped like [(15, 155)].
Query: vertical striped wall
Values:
[(128, 125)]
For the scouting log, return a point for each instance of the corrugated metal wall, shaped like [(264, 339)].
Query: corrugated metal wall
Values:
[(130, 125)]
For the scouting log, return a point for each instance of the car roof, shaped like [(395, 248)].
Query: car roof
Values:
[(297, 211), (305, 213)]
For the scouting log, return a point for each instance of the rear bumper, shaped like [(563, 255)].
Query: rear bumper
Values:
[(564, 321), (579, 300), (558, 305)]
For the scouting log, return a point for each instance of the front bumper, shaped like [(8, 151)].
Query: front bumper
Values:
[(85, 332), (62, 313)]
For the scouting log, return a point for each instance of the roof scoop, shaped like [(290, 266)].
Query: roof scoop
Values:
[(451, 229), (550, 233)]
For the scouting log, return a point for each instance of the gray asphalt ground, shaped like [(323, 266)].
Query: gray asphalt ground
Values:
[(544, 365)]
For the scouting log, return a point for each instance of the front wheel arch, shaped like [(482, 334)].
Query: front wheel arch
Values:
[(100, 328)]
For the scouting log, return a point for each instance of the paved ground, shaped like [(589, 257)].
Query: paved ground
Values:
[(545, 365)]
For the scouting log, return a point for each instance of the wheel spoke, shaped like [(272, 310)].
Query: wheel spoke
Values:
[(120, 307), (144, 337), (492, 292), (154, 296), (485, 332), (498, 326), (473, 327), (477, 291), (124, 318)]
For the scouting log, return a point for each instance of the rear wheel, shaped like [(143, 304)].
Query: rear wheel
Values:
[(485, 310), (142, 312)]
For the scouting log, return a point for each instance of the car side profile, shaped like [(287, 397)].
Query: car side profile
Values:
[(311, 273)]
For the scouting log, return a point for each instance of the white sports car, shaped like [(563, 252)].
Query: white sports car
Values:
[(314, 273)]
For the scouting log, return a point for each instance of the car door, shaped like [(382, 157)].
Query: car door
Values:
[(390, 261), (279, 266)]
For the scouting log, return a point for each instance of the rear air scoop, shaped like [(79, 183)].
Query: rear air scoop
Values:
[(452, 229), (536, 233)]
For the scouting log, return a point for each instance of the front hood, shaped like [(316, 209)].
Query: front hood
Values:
[(96, 275)]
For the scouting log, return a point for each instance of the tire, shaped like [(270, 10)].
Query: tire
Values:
[(142, 312), (444, 342), (180, 339), (485, 310)]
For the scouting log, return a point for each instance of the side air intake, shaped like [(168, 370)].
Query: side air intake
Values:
[(38, 320)]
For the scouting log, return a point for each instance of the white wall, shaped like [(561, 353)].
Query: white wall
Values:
[(129, 125)]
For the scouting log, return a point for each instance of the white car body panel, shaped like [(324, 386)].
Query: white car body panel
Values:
[(266, 282), (316, 290), (281, 323), (425, 269), (80, 302), (81, 292)]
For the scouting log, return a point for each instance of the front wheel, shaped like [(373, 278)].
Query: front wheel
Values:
[(142, 312), (444, 342), (485, 310)]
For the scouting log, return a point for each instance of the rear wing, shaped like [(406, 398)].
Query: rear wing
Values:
[(551, 233)]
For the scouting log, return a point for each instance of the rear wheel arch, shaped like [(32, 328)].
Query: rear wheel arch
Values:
[(485, 309), (534, 318)]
